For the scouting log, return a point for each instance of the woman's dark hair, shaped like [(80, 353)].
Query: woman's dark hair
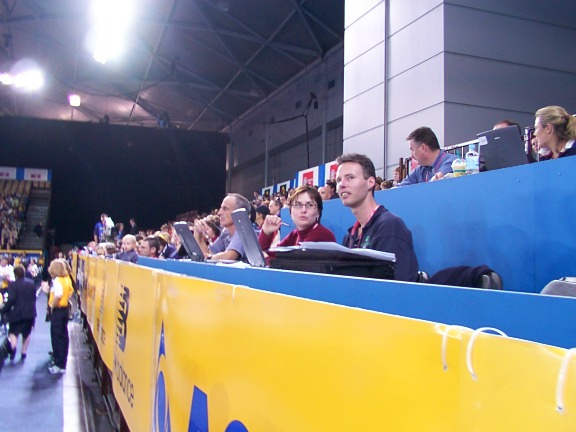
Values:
[(313, 192)]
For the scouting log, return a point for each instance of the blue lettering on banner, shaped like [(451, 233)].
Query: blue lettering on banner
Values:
[(199, 415), (198, 420), (124, 381), (122, 325), (161, 403)]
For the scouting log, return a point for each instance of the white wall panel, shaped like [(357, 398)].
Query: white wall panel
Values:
[(364, 34), (364, 112), (355, 9), (417, 43), (370, 143), (405, 12), (364, 72), (417, 89)]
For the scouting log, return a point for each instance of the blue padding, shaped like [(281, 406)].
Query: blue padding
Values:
[(519, 221), (533, 317)]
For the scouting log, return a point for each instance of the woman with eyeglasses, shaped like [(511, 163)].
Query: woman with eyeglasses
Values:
[(305, 206)]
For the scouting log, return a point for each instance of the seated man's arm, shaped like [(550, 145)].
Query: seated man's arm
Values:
[(398, 240), (412, 178), (229, 254)]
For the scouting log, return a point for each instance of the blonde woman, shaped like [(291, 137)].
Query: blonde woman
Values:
[(60, 293), (555, 130)]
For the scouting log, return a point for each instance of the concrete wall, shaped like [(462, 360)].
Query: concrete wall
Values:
[(457, 66)]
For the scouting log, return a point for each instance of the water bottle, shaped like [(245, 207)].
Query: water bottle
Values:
[(458, 166), (472, 160)]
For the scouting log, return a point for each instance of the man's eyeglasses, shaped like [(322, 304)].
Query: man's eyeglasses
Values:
[(309, 205)]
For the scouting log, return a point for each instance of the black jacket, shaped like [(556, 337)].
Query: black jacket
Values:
[(21, 304)]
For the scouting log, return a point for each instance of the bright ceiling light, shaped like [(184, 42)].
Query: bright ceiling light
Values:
[(29, 80), (74, 100), (25, 75), (111, 23)]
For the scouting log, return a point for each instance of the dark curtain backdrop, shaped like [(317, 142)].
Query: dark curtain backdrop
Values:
[(149, 174)]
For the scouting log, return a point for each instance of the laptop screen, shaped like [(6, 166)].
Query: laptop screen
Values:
[(502, 148), (245, 230), (189, 242)]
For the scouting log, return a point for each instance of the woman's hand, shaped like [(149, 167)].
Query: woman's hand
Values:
[(271, 224)]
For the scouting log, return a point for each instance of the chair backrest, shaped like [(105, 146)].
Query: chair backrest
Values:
[(563, 287)]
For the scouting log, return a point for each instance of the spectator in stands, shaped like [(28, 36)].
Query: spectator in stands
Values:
[(378, 185), (274, 207), (103, 229), (555, 130), (306, 211), (111, 250), (167, 249), (20, 311), (6, 272), (324, 193), (128, 253), (376, 227), (228, 246), (506, 123), (331, 187), (257, 200), (397, 175), (119, 232), (261, 213), (133, 227), (284, 201), (149, 247), (433, 162)]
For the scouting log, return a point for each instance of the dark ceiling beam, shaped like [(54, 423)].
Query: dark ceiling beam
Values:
[(313, 36), (262, 46), (338, 36), (208, 86), (253, 37)]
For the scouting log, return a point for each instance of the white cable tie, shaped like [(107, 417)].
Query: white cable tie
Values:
[(471, 344), (562, 379), (445, 342)]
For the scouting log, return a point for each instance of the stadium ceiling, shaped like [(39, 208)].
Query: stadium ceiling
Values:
[(197, 64)]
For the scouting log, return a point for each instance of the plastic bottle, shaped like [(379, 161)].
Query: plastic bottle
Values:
[(472, 160), (458, 166)]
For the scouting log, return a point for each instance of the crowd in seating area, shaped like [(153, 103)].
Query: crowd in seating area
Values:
[(375, 227), (13, 203)]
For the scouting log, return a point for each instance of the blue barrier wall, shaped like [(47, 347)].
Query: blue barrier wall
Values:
[(534, 317), (516, 220)]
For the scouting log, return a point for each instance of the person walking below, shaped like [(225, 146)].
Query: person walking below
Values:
[(58, 300), (20, 310)]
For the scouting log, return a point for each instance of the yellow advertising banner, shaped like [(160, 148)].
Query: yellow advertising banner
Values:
[(105, 309), (133, 365), (236, 359), (192, 354), (92, 280)]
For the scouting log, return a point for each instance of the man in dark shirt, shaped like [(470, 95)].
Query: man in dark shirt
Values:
[(376, 227)]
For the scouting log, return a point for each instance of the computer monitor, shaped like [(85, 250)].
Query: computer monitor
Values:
[(245, 230), (502, 148), (189, 242)]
